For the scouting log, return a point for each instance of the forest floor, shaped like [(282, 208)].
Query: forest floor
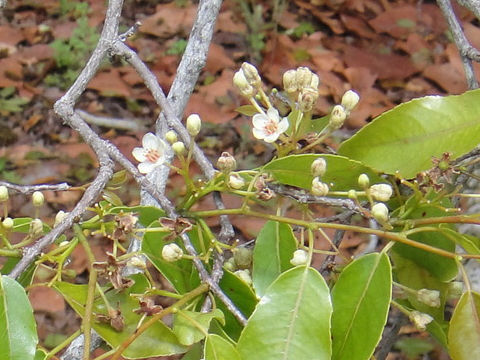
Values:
[(389, 52)]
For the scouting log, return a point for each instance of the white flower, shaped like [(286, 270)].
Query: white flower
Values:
[(151, 155), (269, 127)]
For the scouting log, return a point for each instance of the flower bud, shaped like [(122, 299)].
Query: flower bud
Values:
[(381, 192), (3, 193), (138, 262), (59, 218), (429, 297), (171, 137), (242, 84), (319, 188), (230, 265), (235, 181), (36, 227), (289, 81), (363, 181), (179, 148), (352, 194), (242, 257), (251, 74), (7, 223), (226, 162), (303, 77), (420, 320), (455, 290), (380, 212), (194, 123), (314, 82), (307, 98), (350, 100), (244, 275), (318, 167), (172, 252), (300, 257), (337, 117), (37, 198)]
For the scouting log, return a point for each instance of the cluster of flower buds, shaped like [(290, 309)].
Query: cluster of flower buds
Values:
[(247, 80), (172, 252), (340, 112), (301, 85), (318, 169), (245, 276), (429, 297), (226, 163), (300, 257)]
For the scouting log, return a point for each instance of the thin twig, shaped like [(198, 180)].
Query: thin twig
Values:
[(114, 123), (29, 189)]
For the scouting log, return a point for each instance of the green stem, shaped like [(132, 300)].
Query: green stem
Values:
[(10, 252)]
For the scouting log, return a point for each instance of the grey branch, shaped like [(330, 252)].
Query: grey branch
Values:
[(114, 123), (28, 189), (467, 51)]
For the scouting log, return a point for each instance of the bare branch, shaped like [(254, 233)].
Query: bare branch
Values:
[(28, 189), (115, 123), (467, 51)]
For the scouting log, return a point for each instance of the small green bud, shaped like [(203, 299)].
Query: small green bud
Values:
[(363, 181), (337, 117), (380, 213), (243, 257), (194, 124), (290, 81), (171, 137), (300, 257), (230, 264), (242, 84), (318, 167), (226, 162), (59, 218), (179, 148), (455, 290), (235, 181), (350, 100), (138, 262), (38, 199), (251, 74), (319, 188), (244, 275), (381, 192), (36, 227), (172, 252), (7, 223), (429, 297), (420, 320), (3, 193)]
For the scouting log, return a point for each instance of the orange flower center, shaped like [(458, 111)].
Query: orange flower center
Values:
[(271, 127), (152, 155)]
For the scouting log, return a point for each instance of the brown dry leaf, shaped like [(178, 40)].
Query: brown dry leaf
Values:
[(418, 49), (36, 52), (197, 104), (472, 33), (32, 121), (278, 58), (397, 21), (219, 88), (169, 20), (46, 299), (10, 69), (63, 30), (228, 22), (217, 59), (358, 26), (399, 67), (330, 84), (360, 78), (447, 76), (10, 35), (110, 83)]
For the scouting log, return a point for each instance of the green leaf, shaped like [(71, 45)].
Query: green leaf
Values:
[(191, 327), (342, 173), (217, 348), (242, 296), (247, 110), (464, 332), (157, 340), (146, 214), (361, 299), (181, 274), (405, 138), (274, 248), (291, 321), (18, 333), (40, 355)]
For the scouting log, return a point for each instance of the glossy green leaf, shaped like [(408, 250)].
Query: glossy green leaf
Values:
[(361, 299), (181, 274), (157, 340), (191, 327), (405, 138), (242, 296), (274, 248), (217, 348), (464, 331), (291, 321), (40, 355), (194, 353), (342, 173), (247, 110), (18, 330)]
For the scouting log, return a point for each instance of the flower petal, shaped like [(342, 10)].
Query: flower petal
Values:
[(271, 137), (139, 154), (259, 120), (283, 126), (272, 114), (146, 167), (258, 133), (150, 141)]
